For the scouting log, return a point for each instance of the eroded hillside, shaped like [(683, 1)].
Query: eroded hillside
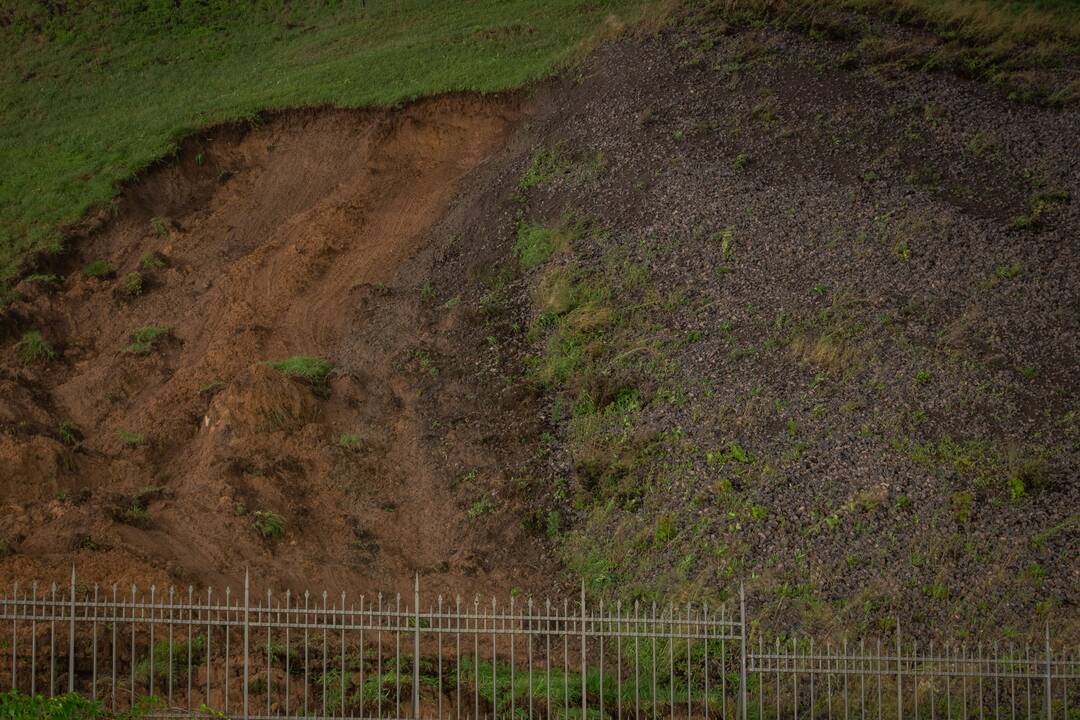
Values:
[(721, 304)]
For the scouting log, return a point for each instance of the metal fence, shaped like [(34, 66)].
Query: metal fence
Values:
[(185, 654)]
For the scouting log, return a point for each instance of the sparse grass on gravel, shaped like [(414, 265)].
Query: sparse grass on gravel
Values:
[(99, 90), (1029, 48)]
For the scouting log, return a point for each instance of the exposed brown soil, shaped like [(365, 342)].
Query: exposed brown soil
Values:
[(296, 237)]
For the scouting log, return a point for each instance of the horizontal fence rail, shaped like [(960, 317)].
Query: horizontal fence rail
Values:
[(186, 654)]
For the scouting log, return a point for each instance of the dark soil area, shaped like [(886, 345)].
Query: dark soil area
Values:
[(719, 305), (839, 350)]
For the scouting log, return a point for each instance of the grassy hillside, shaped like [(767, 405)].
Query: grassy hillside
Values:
[(94, 92)]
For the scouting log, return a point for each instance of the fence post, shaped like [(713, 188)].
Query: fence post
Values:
[(899, 676), (71, 637), (743, 650), (1049, 675), (416, 648), (247, 626), (584, 683)]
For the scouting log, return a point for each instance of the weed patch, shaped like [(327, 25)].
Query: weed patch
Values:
[(98, 269), (268, 524), (311, 370), (536, 244), (33, 349), (145, 339)]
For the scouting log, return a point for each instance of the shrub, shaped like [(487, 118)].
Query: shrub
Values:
[(151, 261), (269, 524), (33, 348), (98, 269), (311, 370), (159, 225), (69, 433), (133, 284), (144, 339)]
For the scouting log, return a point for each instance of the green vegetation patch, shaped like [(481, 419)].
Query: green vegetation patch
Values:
[(536, 244), (311, 370), (145, 339), (71, 706), (33, 348), (269, 524)]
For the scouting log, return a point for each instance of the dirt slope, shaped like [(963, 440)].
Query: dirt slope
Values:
[(294, 237), (721, 304)]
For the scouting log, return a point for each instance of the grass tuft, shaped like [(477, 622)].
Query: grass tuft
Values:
[(269, 524), (133, 284), (146, 338), (311, 370), (537, 243), (98, 269), (33, 349)]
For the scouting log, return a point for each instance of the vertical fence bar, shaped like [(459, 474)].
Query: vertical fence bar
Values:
[(705, 679), (584, 689), (150, 677), (94, 648), (33, 638), (52, 641), (513, 632), (325, 622), (341, 665), (71, 638), (172, 592), (247, 637), (269, 650), (416, 650), (1049, 676), (362, 652), (226, 627), (15, 636), (742, 650), (288, 646), (637, 661), (899, 676)]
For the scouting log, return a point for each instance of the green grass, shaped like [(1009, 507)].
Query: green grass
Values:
[(97, 92), (98, 269), (131, 439), (311, 370), (33, 348), (69, 433), (146, 338), (536, 244), (133, 284), (171, 658), (16, 706), (269, 524)]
